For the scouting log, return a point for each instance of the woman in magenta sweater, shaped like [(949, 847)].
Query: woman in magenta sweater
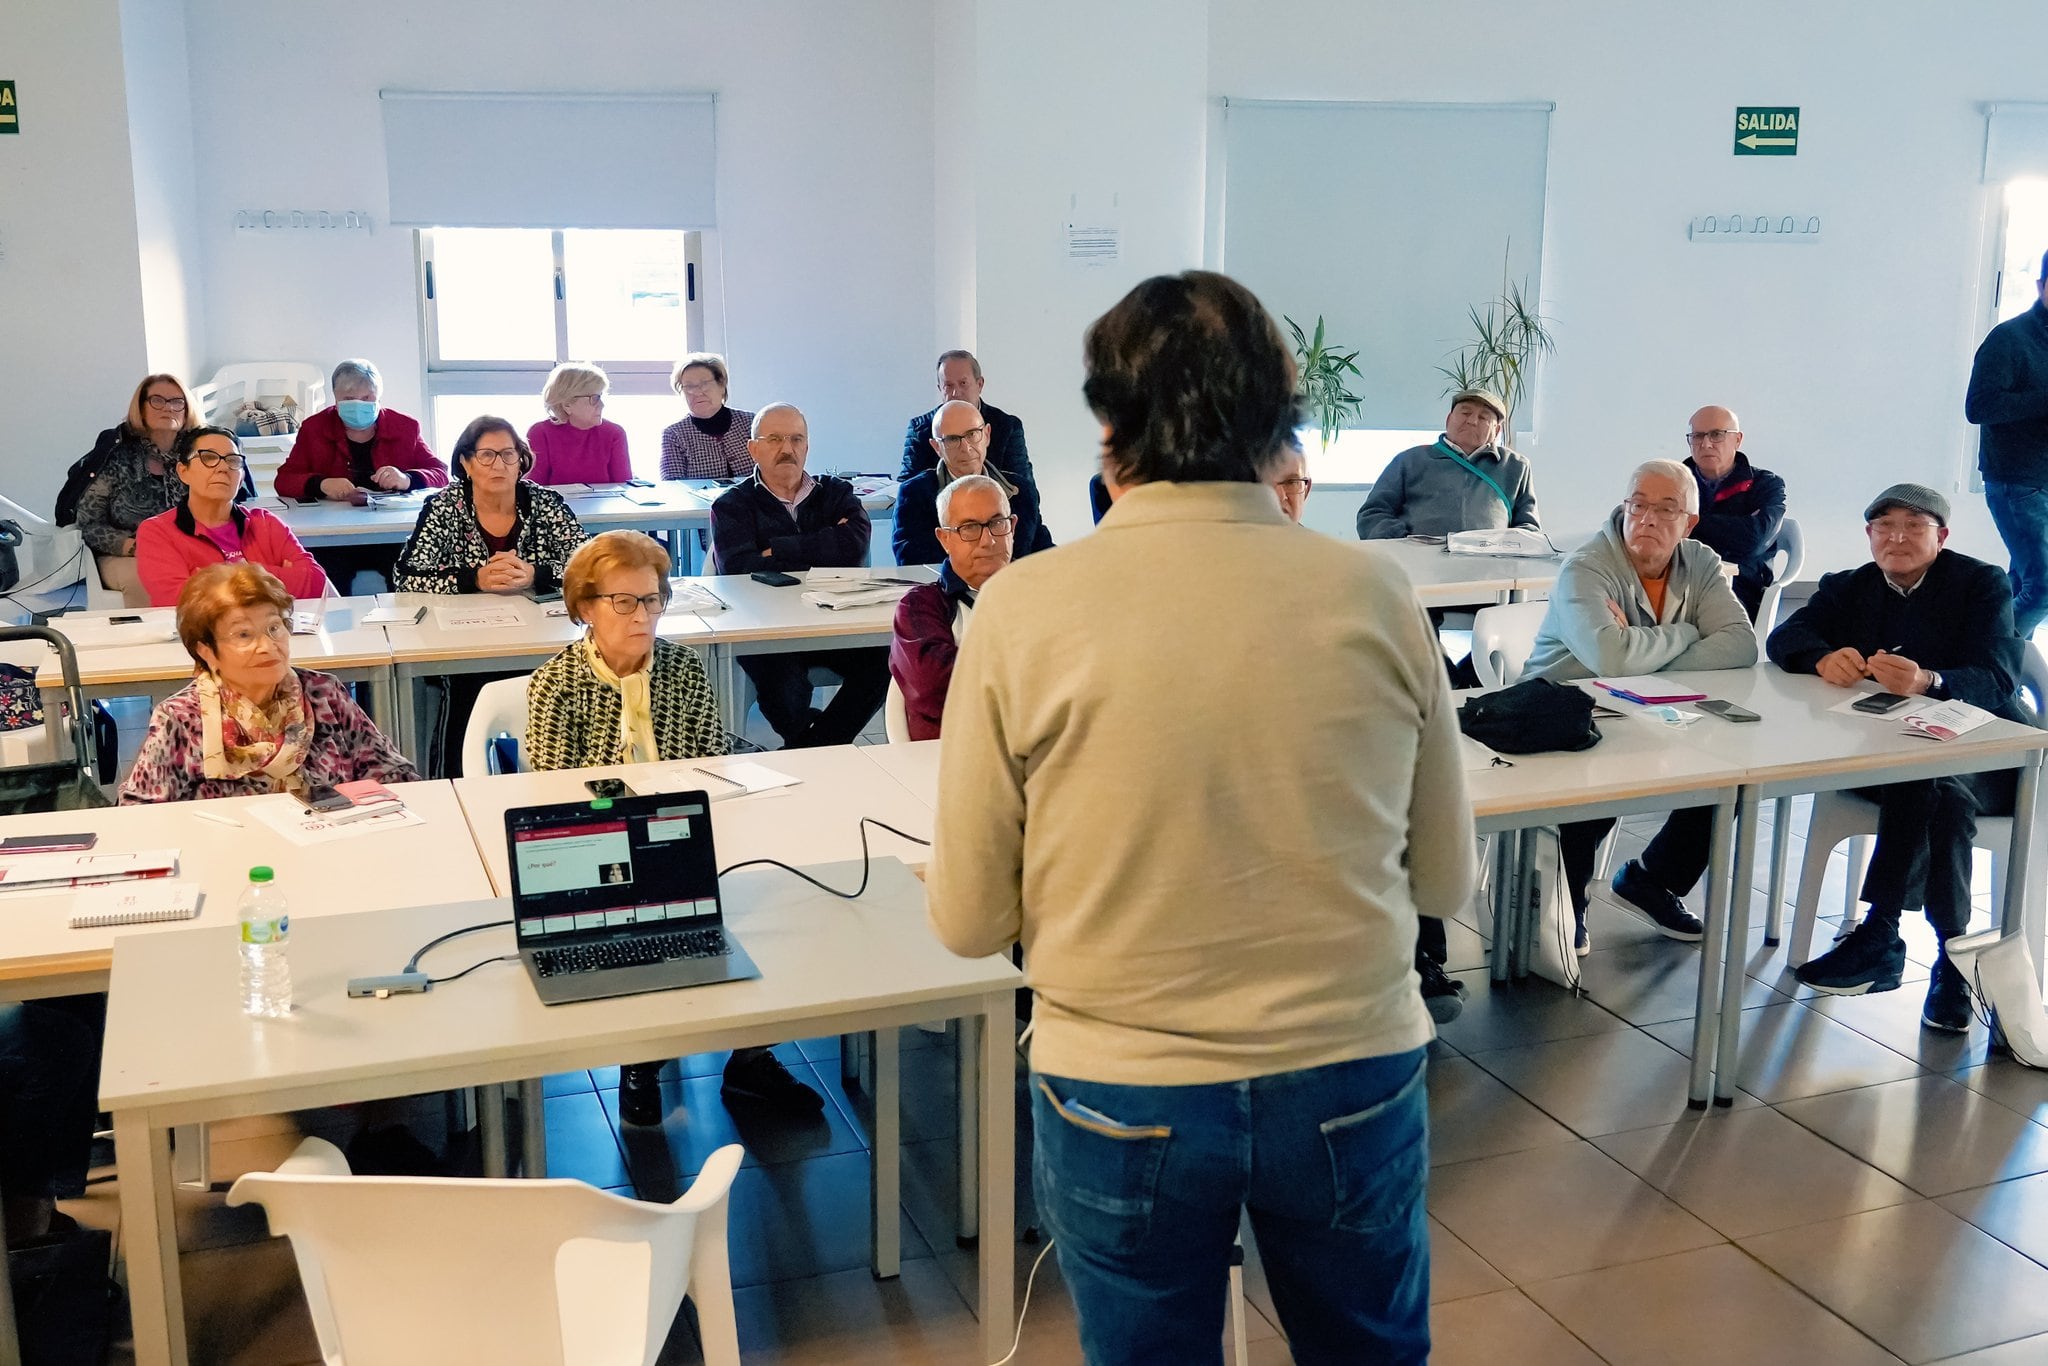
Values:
[(207, 528), (574, 444)]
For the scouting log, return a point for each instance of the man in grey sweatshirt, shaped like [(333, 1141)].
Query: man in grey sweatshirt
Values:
[(1640, 598), (1462, 481)]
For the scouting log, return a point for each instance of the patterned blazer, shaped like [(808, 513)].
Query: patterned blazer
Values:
[(572, 715), (687, 453), (447, 546)]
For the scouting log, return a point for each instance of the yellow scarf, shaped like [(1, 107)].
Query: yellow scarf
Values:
[(239, 739), (636, 705)]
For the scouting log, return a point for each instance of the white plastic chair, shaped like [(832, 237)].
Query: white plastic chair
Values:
[(896, 716), (553, 1273), (500, 709), (1788, 558), (1839, 816), (1502, 638), (266, 382)]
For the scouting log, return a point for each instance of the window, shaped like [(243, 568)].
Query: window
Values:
[(2022, 241), (500, 307)]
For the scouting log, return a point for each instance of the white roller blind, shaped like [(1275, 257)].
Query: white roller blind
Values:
[(1391, 221), (2015, 142), (552, 161)]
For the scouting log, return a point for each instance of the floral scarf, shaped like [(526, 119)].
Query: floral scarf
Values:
[(636, 705), (242, 740)]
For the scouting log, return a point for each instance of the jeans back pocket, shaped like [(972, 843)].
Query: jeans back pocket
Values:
[(1095, 1176), (1379, 1158)]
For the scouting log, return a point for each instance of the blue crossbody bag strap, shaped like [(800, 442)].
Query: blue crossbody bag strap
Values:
[(1452, 451)]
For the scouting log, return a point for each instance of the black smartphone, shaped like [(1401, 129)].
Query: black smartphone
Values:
[(47, 844), (321, 797), (775, 578), (1727, 711), (125, 619), (1878, 703), (608, 787), (554, 595)]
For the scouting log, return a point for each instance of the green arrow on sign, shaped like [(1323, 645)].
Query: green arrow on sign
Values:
[(1767, 130), (1754, 141)]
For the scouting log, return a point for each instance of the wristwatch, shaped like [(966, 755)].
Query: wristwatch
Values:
[(1934, 682)]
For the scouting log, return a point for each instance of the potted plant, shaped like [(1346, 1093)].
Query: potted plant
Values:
[(1324, 372), (1507, 338)]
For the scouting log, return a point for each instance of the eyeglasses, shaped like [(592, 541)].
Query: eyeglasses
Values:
[(242, 638), (508, 456), (1299, 481), (624, 603), (213, 460), (1656, 512), (165, 405), (1902, 530), (596, 400), (970, 532), (953, 442), (1717, 434), (699, 388)]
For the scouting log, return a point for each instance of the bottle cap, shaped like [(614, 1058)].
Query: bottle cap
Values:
[(260, 874)]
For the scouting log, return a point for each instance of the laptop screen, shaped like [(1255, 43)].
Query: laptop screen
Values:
[(583, 870)]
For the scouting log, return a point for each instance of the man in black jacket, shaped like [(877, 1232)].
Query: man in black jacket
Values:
[(1919, 621), (1741, 507), (960, 378), (786, 519), (2008, 398)]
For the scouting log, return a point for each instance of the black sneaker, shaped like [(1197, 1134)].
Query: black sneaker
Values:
[(756, 1074), (1872, 958), (1641, 892), (640, 1093), (1949, 1008), (1444, 997)]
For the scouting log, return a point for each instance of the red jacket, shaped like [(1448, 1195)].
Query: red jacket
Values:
[(170, 546), (321, 452), (923, 647)]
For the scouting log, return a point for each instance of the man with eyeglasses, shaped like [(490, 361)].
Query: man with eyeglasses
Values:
[(1641, 598), (2008, 400), (1741, 507), (960, 378), (978, 531), (960, 436), (1919, 620), (785, 518)]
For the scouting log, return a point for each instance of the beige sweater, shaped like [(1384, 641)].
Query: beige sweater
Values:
[(1204, 765)]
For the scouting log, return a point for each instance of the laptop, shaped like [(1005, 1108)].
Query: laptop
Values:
[(614, 897)]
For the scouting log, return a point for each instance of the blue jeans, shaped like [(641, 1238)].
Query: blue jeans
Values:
[(1141, 1188), (2021, 515)]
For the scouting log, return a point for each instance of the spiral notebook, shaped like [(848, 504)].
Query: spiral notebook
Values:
[(136, 903)]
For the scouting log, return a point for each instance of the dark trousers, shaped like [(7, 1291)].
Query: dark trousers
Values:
[(1431, 941), (1750, 594), (782, 684), (1676, 858), (49, 1093), (342, 562), (1922, 855)]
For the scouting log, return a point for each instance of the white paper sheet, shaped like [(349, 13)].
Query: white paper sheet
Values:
[(477, 616), (285, 815)]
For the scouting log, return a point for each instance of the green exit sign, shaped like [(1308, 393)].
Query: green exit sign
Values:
[(1767, 130), (10, 116)]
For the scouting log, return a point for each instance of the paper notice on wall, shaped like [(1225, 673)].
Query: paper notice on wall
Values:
[(1094, 244)]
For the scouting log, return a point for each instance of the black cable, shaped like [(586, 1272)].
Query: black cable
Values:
[(457, 976), (866, 861), (413, 963)]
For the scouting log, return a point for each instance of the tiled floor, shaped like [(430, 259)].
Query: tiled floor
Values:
[(1876, 1195)]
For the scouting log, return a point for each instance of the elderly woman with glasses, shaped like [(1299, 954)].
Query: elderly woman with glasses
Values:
[(574, 444), (207, 528), (710, 443), (493, 530), (623, 695), (249, 722)]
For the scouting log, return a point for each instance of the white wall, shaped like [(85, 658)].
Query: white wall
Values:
[(153, 50), (70, 288), (1847, 360), (825, 150)]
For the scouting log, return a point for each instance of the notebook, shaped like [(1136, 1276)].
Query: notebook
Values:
[(1649, 690), (136, 904)]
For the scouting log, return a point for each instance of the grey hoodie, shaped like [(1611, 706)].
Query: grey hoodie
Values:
[(1424, 492), (1703, 626)]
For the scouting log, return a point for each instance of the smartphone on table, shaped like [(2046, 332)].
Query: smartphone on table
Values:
[(1727, 711), (321, 797), (775, 578), (608, 787), (1878, 703), (47, 844)]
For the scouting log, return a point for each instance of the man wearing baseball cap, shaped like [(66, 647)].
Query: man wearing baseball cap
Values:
[(1462, 481), (1919, 621)]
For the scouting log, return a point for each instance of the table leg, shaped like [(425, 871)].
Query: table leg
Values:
[(533, 1129), (189, 1163), (849, 1058), (1526, 913), (405, 731), (998, 1175), (149, 1239), (490, 1128), (885, 1185), (967, 1080), (384, 702), (1705, 1034), (1781, 826), (1736, 977), (2013, 916), (10, 1341), (1504, 865)]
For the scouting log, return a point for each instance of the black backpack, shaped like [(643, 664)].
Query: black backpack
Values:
[(1532, 717)]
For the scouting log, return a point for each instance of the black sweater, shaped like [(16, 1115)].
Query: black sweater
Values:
[(1741, 518), (1957, 622), (2008, 398), (830, 529)]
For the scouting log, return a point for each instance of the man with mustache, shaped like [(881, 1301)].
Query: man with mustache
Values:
[(787, 519)]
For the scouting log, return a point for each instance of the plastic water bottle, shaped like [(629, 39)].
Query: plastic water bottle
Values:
[(266, 933)]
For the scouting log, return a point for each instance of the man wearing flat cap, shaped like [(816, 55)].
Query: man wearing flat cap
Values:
[(1463, 481), (1919, 621)]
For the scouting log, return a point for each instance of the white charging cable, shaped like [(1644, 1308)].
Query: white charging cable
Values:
[(1024, 1309)]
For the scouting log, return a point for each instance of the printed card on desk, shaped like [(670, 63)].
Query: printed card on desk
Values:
[(286, 816), (392, 615), (731, 778), (50, 872), (481, 616), (1945, 720)]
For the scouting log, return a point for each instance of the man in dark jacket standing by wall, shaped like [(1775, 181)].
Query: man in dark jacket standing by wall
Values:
[(1919, 621), (786, 519), (2008, 398), (1741, 507)]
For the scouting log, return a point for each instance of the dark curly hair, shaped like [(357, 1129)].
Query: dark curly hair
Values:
[(465, 445), (1192, 379)]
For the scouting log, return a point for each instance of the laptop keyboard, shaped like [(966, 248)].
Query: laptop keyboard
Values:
[(631, 953)]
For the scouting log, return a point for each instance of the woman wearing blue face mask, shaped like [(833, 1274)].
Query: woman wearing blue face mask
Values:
[(357, 445)]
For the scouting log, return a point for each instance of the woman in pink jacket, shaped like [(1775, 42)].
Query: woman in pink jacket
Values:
[(207, 528)]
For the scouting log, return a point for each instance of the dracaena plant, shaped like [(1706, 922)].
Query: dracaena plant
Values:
[(1325, 375)]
